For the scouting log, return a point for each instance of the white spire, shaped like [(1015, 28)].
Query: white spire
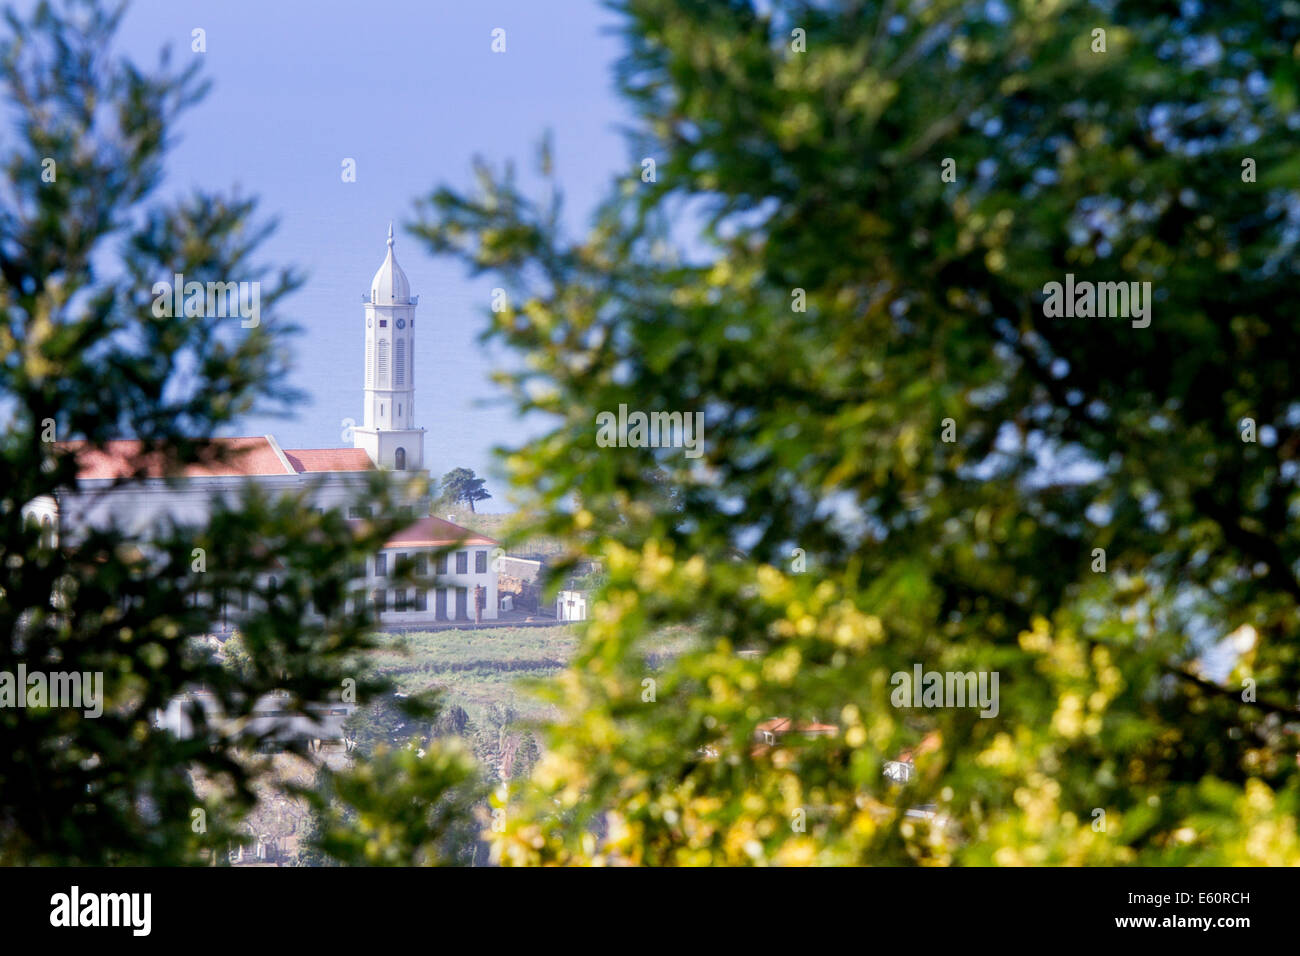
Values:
[(389, 434), (390, 286)]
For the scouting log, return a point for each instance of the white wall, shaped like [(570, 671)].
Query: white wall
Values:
[(448, 581), (141, 506), (578, 612)]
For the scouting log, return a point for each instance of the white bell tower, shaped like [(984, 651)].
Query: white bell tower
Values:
[(388, 434)]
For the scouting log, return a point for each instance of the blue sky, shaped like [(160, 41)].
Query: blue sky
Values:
[(412, 91)]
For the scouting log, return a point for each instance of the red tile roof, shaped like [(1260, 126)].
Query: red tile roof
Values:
[(780, 726), (435, 533), (243, 457), (783, 725), (929, 744), (328, 459), (122, 458)]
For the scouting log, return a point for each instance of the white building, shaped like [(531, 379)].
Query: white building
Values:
[(388, 433), (464, 574), (332, 478), (571, 606)]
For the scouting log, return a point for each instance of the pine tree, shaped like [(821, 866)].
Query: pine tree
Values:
[(459, 485), (843, 263), (85, 358)]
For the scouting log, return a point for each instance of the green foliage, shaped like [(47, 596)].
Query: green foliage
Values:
[(235, 655), (389, 721), (815, 178), (82, 352), (460, 485), (418, 797), (402, 808), (526, 756), (588, 582), (452, 721)]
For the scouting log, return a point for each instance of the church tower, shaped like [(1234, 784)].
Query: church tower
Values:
[(388, 434)]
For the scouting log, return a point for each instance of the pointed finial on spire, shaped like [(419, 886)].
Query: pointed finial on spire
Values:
[(390, 234)]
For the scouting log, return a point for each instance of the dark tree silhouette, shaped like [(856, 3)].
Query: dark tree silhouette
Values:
[(461, 485)]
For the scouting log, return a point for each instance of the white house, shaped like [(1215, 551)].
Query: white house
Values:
[(388, 440), (464, 575), (571, 606)]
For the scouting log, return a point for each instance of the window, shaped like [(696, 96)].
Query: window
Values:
[(381, 600), (358, 600), (462, 562), (480, 562), (383, 323), (399, 600), (441, 565), (381, 565), (399, 456), (421, 563), (421, 599), (359, 511)]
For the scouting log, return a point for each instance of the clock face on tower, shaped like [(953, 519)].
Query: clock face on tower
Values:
[(401, 323)]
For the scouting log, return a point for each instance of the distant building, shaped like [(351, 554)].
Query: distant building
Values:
[(526, 570), (903, 769), (117, 484), (459, 573), (571, 606), (770, 732), (520, 583)]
